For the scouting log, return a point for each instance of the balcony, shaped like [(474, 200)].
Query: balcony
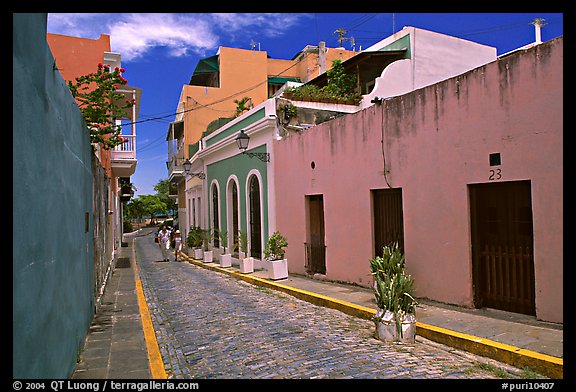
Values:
[(175, 139), (175, 169), (123, 157)]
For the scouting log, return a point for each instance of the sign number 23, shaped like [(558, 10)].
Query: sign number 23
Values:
[(495, 174)]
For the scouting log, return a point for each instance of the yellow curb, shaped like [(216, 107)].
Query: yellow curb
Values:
[(544, 364), (547, 365), (154, 357)]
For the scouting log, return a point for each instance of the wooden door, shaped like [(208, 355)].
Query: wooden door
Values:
[(235, 228), (215, 216), (255, 214), (502, 246), (315, 247), (388, 219)]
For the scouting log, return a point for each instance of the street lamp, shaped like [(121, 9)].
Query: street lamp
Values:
[(242, 140), (187, 166)]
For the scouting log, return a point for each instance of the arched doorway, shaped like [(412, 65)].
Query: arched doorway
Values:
[(232, 209), (254, 216), (215, 216)]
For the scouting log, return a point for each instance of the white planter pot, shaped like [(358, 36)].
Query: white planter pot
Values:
[(208, 256), (226, 260), (198, 254), (278, 269), (387, 330), (247, 265)]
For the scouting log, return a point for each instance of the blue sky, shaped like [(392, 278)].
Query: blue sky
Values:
[(160, 51)]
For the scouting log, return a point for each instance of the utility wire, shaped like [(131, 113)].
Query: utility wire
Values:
[(218, 101)]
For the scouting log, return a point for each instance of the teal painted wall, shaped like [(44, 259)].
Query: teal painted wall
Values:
[(239, 165), (53, 302)]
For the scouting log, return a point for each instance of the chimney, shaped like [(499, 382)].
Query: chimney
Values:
[(322, 56), (538, 23)]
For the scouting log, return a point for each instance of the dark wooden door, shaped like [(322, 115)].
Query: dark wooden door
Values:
[(235, 228), (315, 247), (388, 219), (215, 216), (255, 214), (502, 246)]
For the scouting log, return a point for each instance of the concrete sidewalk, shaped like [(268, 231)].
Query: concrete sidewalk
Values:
[(115, 346), (121, 341)]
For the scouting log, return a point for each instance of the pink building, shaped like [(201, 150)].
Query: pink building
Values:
[(467, 174)]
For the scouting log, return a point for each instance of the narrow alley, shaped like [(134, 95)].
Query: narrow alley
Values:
[(213, 326)]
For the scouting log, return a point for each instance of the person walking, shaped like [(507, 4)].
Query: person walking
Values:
[(164, 242), (177, 244)]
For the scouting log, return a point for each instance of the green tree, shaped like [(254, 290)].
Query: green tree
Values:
[(241, 106), (99, 102), (153, 205), (339, 82), (135, 209), (162, 189)]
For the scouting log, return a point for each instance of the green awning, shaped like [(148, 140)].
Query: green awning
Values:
[(207, 65), (282, 80), (205, 70)]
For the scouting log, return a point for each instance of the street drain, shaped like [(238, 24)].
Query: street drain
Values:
[(123, 262)]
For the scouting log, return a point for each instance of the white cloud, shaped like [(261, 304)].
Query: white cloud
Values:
[(137, 33), (134, 35), (78, 25), (267, 24)]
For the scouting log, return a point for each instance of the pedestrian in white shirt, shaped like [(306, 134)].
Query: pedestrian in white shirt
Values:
[(177, 244), (164, 242)]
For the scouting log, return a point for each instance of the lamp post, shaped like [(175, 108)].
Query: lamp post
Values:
[(242, 140), (188, 166)]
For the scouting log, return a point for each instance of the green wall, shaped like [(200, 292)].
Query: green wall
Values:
[(237, 127), (239, 165), (52, 274)]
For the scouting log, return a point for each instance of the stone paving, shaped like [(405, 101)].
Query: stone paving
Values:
[(210, 325)]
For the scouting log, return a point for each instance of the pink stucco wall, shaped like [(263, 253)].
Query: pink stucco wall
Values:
[(437, 141)]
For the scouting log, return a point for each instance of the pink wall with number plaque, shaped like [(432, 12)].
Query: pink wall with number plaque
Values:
[(436, 144)]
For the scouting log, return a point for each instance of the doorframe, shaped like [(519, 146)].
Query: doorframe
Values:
[(373, 195), (254, 172), (230, 209), (307, 204), (215, 216), (478, 300)]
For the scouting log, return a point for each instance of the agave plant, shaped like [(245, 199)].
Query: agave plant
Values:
[(393, 288)]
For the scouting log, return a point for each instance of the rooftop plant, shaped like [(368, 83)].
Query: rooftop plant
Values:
[(340, 87)]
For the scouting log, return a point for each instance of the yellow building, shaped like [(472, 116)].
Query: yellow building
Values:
[(220, 80)]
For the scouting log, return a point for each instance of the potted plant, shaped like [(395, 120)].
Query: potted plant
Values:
[(206, 238), (246, 262), (274, 253), (394, 291), (194, 242), (225, 258)]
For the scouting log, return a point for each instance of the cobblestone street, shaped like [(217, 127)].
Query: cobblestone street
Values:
[(209, 325)]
